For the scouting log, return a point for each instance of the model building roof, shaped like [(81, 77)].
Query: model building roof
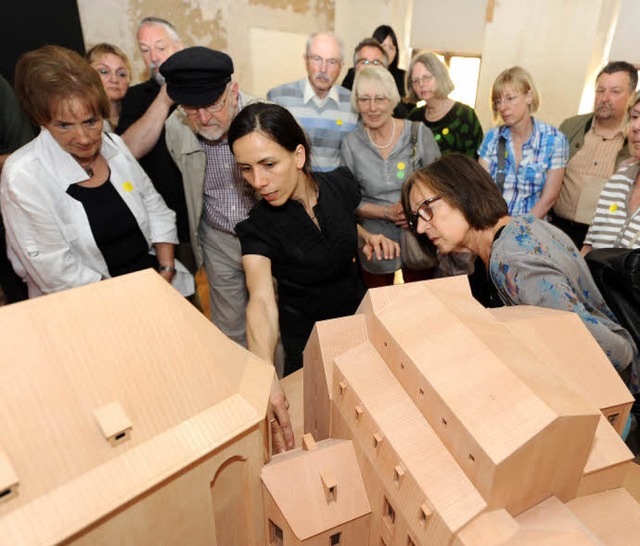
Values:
[(298, 482), (499, 401), (128, 352)]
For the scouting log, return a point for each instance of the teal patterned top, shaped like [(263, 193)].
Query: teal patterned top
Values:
[(534, 263), (458, 131)]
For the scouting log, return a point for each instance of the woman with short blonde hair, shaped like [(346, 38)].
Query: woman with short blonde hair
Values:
[(525, 156)]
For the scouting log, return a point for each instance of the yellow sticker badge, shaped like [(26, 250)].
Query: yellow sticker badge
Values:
[(613, 207), (338, 122), (127, 186), (401, 166), (445, 131)]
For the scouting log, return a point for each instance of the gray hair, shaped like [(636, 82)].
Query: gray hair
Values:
[(439, 71), (377, 75), (370, 42), (332, 35), (158, 21)]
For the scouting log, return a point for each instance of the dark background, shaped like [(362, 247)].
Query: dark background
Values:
[(29, 24)]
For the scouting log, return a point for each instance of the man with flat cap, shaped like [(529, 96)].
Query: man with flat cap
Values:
[(199, 81)]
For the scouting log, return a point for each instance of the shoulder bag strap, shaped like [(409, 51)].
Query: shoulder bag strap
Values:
[(415, 126), (500, 173)]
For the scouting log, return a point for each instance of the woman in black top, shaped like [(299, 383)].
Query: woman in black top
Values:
[(303, 231), (387, 38)]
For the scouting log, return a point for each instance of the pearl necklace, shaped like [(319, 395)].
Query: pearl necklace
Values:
[(393, 134)]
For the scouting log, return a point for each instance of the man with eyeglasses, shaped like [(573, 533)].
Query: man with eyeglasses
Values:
[(145, 107), (369, 52), (318, 104), (597, 146), (199, 81)]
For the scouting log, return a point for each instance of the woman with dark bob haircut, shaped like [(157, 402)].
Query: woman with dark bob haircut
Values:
[(389, 42), (303, 232), (520, 260)]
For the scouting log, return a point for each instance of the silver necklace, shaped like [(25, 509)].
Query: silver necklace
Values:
[(393, 134)]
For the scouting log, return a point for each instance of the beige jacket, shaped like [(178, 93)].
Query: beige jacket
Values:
[(190, 158)]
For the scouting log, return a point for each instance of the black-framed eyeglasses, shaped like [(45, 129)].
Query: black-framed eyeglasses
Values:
[(424, 211), (191, 112)]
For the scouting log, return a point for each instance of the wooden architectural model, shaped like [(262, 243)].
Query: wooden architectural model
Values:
[(127, 418), (474, 426), (316, 496)]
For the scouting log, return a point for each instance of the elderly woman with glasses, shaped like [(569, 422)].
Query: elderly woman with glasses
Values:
[(455, 125), (381, 153), (521, 260), (525, 156)]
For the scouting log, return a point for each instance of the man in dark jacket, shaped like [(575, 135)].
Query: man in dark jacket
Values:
[(145, 108)]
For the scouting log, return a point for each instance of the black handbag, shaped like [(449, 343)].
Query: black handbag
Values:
[(616, 272)]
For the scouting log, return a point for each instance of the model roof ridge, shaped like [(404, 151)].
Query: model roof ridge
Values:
[(499, 414), (78, 351), (99, 491), (492, 330), (409, 435), (486, 336), (453, 381), (581, 363)]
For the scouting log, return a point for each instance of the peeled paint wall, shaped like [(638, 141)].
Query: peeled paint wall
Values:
[(223, 25), (265, 38)]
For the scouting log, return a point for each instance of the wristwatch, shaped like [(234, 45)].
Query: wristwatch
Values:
[(169, 268)]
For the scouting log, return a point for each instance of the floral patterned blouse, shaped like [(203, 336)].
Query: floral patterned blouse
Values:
[(534, 263)]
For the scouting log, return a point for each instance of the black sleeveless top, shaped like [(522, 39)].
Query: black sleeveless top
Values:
[(114, 228)]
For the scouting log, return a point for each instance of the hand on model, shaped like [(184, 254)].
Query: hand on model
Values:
[(281, 432)]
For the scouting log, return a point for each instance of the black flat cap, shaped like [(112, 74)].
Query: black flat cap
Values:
[(197, 76)]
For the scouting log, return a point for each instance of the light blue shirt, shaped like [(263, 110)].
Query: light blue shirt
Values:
[(546, 149)]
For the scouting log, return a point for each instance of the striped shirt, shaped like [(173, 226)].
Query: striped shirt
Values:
[(613, 224), (546, 149), (227, 196), (326, 121)]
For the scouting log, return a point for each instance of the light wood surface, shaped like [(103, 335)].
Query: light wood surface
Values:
[(297, 482), (446, 401), (126, 351)]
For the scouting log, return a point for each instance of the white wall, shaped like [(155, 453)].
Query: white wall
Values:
[(626, 44), (267, 68), (558, 41), (563, 43), (357, 19), (454, 25)]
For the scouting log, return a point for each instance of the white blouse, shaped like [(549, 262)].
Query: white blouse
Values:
[(49, 238)]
